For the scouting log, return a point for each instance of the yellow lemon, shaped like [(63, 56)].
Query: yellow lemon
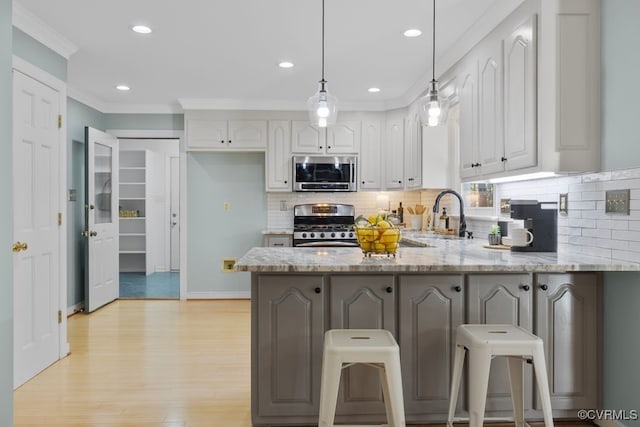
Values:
[(379, 248), (383, 224), (391, 235), (373, 219), (391, 247), (366, 246)]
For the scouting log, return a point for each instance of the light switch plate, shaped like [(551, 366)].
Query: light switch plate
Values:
[(617, 201), (563, 206)]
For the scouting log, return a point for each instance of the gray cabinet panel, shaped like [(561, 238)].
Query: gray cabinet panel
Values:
[(502, 299), (361, 302), (290, 325), (567, 321), (430, 309)]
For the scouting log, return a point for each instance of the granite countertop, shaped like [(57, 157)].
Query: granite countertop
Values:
[(434, 254)]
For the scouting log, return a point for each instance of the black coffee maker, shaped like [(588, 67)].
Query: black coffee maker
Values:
[(541, 219)]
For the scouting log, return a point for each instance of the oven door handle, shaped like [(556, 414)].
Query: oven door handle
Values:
[(327, 244)]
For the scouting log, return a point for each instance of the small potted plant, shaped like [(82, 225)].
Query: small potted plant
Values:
[(494, 235)]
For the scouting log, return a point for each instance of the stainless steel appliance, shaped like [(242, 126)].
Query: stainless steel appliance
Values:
[(541, 219), (324, 224), (324, 173)]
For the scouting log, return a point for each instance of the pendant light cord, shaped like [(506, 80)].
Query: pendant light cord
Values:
[(323, 43), (433, 50)]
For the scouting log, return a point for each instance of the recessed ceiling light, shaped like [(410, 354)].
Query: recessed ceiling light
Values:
[(413, 32), (141, 29), (285, 64), (123, 88), (374, 89)]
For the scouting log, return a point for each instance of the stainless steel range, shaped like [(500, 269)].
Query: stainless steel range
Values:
[(324, 224)]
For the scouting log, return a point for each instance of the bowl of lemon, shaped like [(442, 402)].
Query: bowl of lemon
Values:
[(376, 235)]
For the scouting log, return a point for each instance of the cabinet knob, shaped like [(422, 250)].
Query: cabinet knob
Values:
[(229, 141), (525, 287), (363, 182), (320, 147), (458, 288), (389, 289), (222, 141), (285, 181), (317, 290), (503, 159), (328, 147), (399, 182), (544, 287)]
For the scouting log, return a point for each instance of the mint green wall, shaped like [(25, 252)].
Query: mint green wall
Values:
[(144, 121), (620, 65), (6, 258), (212, 233), (78, 116), (620, 150), (39, 55)]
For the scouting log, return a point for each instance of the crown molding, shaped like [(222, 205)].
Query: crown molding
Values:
[(109, 108), (262, 105), (35, 27)]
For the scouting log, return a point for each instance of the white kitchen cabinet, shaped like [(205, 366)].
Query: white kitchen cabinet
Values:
[(278, 156), (228, 135), (412, 150), (520, 101), (394, 153), (278, 240), (370, 165), (341, 138), (468, 104)]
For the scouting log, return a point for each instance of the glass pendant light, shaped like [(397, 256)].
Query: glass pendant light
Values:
[(433, 108), (322, 106)]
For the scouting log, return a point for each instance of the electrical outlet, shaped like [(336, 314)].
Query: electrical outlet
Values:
[(617, 201), (228, 264), (226, 206), (283, 205)]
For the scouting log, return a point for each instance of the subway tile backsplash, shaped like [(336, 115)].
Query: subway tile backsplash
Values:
[(586, 228)]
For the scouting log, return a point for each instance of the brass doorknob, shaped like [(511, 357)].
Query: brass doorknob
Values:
[(18, 246)]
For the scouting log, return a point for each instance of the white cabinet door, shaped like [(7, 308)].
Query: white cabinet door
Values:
[(490, 121), (394, 149), (520, 65), (343, 137), (278, 156), (209, 134), (307, 139), (412, 151), (370, 164), (247, 134), (468, 101)]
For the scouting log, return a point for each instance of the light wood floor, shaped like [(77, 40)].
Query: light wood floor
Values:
[(147, 364)]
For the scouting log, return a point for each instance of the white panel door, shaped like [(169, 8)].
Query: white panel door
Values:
[(101, 168), (36, 232)]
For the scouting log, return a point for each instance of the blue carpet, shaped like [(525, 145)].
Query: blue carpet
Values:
[(156, 285)]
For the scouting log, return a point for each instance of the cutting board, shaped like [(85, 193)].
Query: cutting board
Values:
[(497, 247)]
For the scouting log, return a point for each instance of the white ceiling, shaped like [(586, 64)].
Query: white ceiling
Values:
[(224, 53)]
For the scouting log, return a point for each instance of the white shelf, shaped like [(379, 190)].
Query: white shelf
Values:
[(132, 234), (132, 252), (129, 168), (132, 217), (133, 175), (132, 198)]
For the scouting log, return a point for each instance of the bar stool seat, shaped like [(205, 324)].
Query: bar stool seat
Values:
[(373, 347), (483, 342)]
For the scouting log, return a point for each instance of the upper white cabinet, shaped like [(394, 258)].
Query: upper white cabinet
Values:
[(278, 156), (393, 150), (370, 165), (341, 138), (241, 135), (412, 150), (528, 93)]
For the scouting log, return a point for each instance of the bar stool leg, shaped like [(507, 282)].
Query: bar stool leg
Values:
[(384, 384), (396, 402), (329, 384), (479, 365), (455, 381), (540, 369), (515, 382)]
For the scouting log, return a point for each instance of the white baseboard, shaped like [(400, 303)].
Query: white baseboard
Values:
[(219, 295), (609, 423), (75, 308)]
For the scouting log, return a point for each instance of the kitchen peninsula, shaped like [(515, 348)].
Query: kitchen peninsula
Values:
[(421, 296)]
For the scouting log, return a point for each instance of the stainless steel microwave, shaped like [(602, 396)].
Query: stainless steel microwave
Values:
[(324, 173)]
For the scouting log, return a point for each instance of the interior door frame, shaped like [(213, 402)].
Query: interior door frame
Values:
[(179, 135), (42, 76)]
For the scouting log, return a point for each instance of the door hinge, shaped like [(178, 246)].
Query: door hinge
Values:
[(59, 218), (59, 121), (59, 316)]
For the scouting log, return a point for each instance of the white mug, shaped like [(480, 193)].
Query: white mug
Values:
[(521, 237)]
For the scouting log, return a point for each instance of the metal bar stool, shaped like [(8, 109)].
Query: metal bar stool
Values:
[(373, 347), (483, 342)]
